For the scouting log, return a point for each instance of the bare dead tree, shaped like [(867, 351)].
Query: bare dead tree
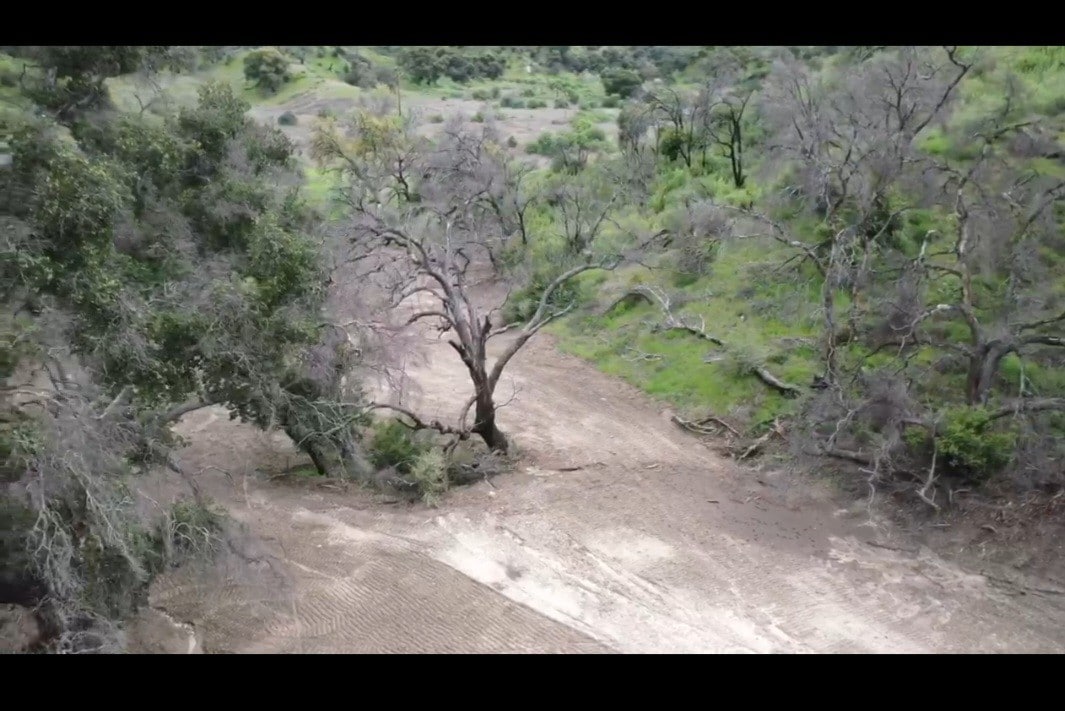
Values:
[(683, 114), (723, 125), (851, 139), (476, 164), (424, 251), (635, 121), (1014, 216), (585, 205)]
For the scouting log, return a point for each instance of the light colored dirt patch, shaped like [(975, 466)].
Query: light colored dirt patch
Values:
[(524, 125), (653, 545), (155, 632)]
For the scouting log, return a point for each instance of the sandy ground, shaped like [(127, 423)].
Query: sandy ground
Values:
[(653, 545), (617, 532)]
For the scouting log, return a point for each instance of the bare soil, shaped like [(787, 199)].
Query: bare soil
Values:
[(616, 532)]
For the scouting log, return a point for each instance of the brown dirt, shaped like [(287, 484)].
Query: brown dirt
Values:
[(654, 544)]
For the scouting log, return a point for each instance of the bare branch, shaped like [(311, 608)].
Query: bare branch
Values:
[(420, 424), (1049, 404), (930, 481)]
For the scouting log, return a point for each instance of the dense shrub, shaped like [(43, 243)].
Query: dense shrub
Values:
[(287, 119), (395, 445), (968, 446), (425, 65), (267, 67), (620, 82)]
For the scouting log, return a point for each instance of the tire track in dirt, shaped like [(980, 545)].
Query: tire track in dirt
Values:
[(654, 544)]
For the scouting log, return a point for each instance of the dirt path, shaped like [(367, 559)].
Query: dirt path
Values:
[(653, 545)]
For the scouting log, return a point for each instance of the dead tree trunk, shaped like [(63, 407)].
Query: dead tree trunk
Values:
[(485, 425)]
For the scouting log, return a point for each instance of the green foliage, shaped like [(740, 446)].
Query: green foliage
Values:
[(283, 264), (267, 68), (620, 82), (70, 79), (672, 143), (523, 302), (426, 65), (570, 150), (362, 72), (217, 118), (395, 445), (287, 119), (429, 471), (970, 445)]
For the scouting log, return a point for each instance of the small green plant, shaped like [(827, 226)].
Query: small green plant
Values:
[(968, 446), (287, 119), (528, 92), (394, 445), (480, 95), (478, 117), (536, 104), (544, 145), (512, 142), (509, 102), (429, 473), (561, 104), (436, 118)]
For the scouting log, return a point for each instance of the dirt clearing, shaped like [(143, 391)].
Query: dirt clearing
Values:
[(616, 532), (653, 545)]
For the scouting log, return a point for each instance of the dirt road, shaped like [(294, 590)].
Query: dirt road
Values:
[(653, 545), (617, 532)]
